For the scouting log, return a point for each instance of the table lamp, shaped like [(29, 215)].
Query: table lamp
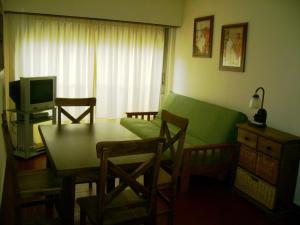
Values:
[(258, 103)]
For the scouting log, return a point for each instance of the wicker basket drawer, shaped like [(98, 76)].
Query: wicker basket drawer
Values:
[(247, 158), (256, 188), (247, 138), (267, 168)]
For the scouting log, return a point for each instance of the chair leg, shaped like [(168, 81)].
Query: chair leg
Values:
[(50, 200), (186, 172), (110, 183), (170, 218), (151, 220), (90, 186), (57, 204), (82, 217)]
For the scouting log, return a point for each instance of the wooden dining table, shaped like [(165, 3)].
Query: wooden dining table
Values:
[(71, 150)]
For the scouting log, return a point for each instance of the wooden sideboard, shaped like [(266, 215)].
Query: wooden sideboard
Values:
[(267, 167)]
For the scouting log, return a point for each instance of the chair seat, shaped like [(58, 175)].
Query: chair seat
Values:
[(117, 211), (42, 182)]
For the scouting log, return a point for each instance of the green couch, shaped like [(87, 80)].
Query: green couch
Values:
[(210, 138)]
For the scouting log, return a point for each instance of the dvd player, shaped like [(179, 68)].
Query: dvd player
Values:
[(39, 115)]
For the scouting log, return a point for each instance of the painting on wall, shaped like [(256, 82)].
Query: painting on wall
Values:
[(233, 47), (203, 34)]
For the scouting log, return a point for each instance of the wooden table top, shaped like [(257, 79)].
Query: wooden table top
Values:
[(72, 147)]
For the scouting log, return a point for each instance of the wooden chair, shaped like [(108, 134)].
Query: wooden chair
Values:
[(130, 202), (65, 102), (170, 169), (26, 189), (78, 102)]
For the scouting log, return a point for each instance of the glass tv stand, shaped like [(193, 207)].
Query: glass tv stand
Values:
[(25, 147)]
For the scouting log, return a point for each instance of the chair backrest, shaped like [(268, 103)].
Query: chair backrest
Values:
[(173, 129), (65, 102), (109, 154)]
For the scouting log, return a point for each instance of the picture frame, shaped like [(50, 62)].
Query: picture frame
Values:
[(203, 35), (233, 47)]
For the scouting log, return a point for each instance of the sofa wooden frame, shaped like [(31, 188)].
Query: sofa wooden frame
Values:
[(220, 170)]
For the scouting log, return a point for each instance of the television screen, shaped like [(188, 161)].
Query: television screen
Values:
[(41, 91)]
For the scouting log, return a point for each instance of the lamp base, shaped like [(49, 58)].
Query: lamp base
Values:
[(256, 124)]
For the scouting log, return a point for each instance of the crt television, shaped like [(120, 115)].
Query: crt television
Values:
[(33, 93)]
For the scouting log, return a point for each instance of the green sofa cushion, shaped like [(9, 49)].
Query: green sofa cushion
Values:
[(142, 128), (212, 123)]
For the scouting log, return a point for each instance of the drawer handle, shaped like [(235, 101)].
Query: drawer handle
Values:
[(254, 179), (246, 138)]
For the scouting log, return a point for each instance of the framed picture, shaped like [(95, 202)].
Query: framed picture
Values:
[(233, 47), (203, 34)]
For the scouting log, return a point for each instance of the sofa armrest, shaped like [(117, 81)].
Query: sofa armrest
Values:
[(209, 147), (187, 156), (142, 115)]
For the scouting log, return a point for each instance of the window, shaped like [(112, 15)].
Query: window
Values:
[(119, 63)]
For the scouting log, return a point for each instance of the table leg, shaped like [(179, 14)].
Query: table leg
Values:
[(68, 200), (110, 183)]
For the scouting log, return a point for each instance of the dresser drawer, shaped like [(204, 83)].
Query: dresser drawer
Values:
[(267, 168), (255, 187), (247, 158), (247, 138), (269, 147)]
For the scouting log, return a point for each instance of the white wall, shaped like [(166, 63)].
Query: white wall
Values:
[(272, 58), (167, 12)]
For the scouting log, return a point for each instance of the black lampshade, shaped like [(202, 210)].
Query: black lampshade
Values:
[(257, 103)]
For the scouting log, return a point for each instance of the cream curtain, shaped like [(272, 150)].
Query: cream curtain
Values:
[(129, 67), (119, 63)]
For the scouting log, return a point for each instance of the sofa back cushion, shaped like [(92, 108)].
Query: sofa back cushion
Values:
[(208, 122)]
